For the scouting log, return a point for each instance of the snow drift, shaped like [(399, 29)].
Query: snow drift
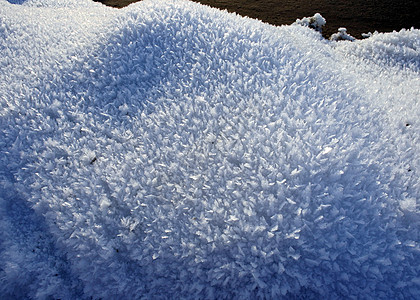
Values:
[(171, 150)]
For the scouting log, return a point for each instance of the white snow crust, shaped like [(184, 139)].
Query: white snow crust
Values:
[(172, 150)]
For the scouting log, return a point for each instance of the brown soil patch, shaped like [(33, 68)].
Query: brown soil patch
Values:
[(358, 16)]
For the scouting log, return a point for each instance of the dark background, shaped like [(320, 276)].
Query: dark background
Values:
[(358, 16)]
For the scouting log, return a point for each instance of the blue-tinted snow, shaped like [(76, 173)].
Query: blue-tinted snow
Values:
[(170, 150)]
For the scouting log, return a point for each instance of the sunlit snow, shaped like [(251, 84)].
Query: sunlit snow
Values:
[(172, 150)]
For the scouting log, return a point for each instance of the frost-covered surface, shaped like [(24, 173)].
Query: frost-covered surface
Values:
[(170, 150)]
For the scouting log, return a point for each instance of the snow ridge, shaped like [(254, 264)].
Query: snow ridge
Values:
[(171, 150)]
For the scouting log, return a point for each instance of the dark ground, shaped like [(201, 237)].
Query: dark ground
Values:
[(358, 16)]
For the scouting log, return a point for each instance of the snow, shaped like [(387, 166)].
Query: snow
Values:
[(172, 150), (342, 35), (315, 22)]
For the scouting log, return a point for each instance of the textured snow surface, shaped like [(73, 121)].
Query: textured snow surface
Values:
[(171, 150)]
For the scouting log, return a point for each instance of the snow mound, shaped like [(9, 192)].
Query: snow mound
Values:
[(171, 150)]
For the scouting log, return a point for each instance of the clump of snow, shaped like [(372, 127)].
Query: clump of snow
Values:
[(369, 34), (315, 22), (342, 35), (171, 150), (409, 205)]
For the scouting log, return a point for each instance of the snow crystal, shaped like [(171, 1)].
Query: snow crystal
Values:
[(172, 150)]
